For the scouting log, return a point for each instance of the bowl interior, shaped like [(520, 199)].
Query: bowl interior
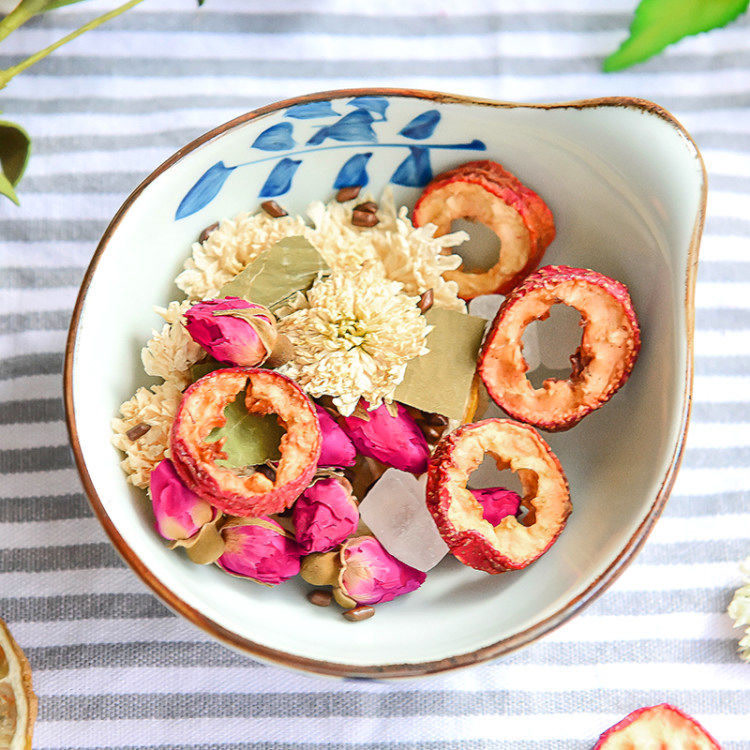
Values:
[(625, 186)]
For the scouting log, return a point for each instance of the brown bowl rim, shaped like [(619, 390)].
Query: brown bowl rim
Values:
[(506, 645)]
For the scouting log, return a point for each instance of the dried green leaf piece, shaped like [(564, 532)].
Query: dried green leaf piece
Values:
[(199, 369), (205, 547), (15, 146), (289, 266), (440, 381), (251, 439), (658, 23)]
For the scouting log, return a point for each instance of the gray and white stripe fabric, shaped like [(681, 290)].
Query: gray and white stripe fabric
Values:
[(113, 668)]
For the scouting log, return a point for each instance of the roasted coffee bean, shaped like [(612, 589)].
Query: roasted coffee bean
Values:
[(319, 597), (364, 219), (138, 431), (273, 209), (369, 206), (348, 193), (425, 300), (203, 236), (432, 433), (362, 612), (267, 471), (436, 419)]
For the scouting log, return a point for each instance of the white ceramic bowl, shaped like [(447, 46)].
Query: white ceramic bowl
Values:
[(627, 187)]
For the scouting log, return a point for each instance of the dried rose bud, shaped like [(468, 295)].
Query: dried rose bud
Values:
[(396, 441), (324, 515), (370, 575), (260, 549), (337, 449), (179, 512), (232, 330), (497, 503)]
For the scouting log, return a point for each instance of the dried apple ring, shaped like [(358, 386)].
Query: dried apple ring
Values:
[(512, 544), (484, 191), (202, 409), (602, 363)]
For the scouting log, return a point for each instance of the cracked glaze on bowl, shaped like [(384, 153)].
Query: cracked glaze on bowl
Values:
[(627, 187)]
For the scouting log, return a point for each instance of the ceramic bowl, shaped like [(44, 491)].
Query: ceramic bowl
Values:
[(627, 188)]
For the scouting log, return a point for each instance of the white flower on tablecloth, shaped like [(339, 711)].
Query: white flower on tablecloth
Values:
[(739, 610)]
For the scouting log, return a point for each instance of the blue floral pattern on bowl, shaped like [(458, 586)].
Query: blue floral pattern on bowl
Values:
[(349, 130)]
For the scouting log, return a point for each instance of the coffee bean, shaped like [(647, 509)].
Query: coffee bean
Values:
[(138, 431), (319, 597), (362, 612), (348, 193), (203, 236), (364, 219), (425, 300), (436, 419), (369, 206), (273, 209), (432, 433)]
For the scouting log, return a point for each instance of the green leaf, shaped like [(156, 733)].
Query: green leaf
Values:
[(658, 23), (289, 266), (199, 369), (15, 145), (440, 381), (251, 439)]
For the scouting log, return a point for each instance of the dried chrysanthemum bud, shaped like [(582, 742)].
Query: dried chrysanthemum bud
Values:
[(324, 515), (232, 330), (337, 448), (395, 440), (179, 512), (259, 549), (370, 575), (497, 503)]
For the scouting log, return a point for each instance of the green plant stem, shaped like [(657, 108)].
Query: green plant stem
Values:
[(19, 15), (6, 75)]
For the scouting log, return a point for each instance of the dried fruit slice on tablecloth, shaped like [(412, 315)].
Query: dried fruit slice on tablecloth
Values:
[(511, 544), (237, 492), (661, 727), (17, 700), (484, 191), (602, 363)]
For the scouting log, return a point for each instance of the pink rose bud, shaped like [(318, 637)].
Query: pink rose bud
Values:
[(324, 515), (396, 441), (337, 449), (244, 340), (371, 575), (497, 503), (179, 512), (260, 549)]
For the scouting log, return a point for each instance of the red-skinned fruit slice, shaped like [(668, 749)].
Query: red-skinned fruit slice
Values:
[(202, 409), (484, 191), (512, 544), (661, 727), (602, 363)]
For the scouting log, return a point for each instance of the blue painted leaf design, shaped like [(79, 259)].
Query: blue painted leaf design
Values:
[(422, 126), (280, 179), (415, 170), (205, 190), (310, 111), (354, 172), (372, 104), (276, 138), (356, 126)]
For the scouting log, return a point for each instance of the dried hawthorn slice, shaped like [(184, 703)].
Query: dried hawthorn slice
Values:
[(661, 726), (267, 392), (602, 363), (18, 704), (484, 191), (512, 544)]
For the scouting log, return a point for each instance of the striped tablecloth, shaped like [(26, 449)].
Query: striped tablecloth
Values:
[(112, 667)]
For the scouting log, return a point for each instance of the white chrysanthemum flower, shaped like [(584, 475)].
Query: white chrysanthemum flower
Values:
[(739, 610), (155, 407), (355, 338), (171, 353)]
